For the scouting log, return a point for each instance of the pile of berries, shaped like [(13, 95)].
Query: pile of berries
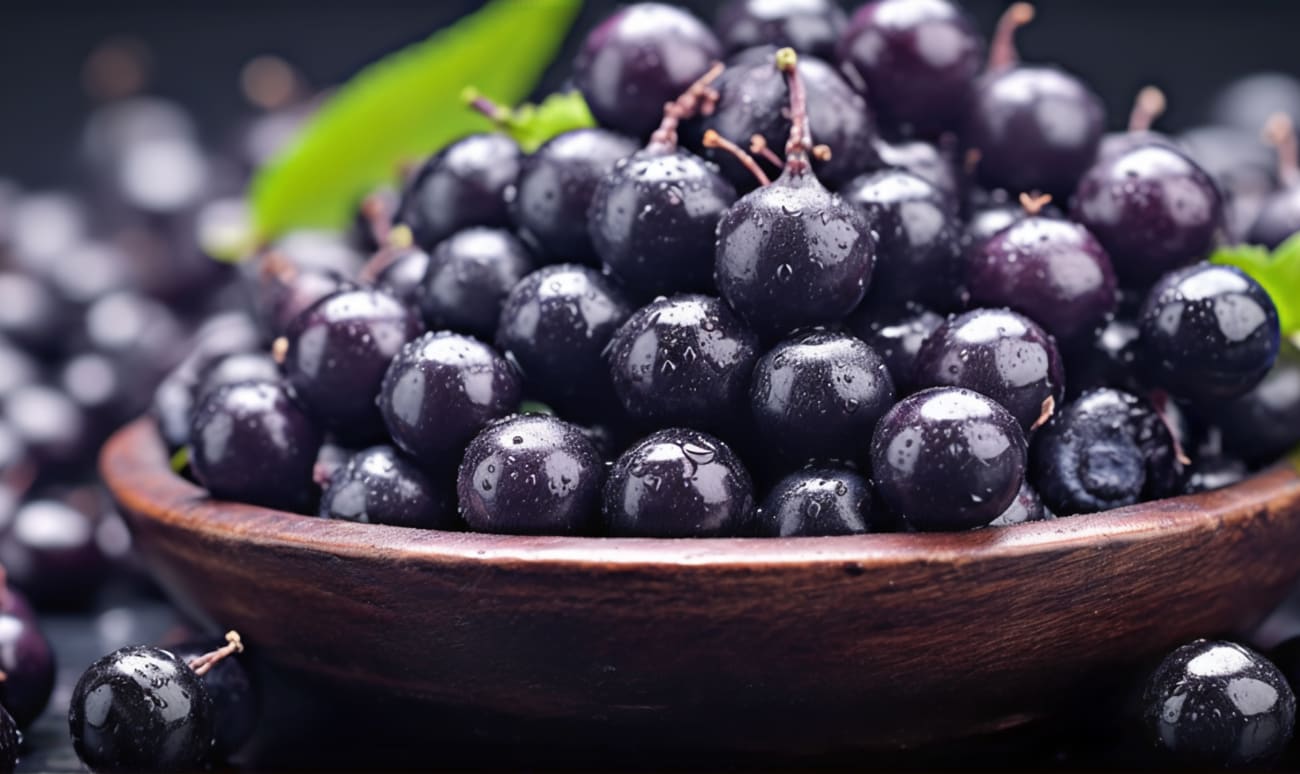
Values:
[(952, 301)]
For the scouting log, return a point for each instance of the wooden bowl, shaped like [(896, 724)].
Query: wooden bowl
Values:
[(798, 645)]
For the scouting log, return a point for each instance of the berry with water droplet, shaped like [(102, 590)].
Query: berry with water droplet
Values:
[(819, 395), (469, 275), (380, 486), (818, 501), (467, 183), (530, 474), (808, 26), (897, 337), (1264, 424), (678, 483)]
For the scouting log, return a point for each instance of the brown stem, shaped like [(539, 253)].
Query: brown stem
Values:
[(1002, 51), (1279, 131), (1147, 107), (280, 350), (204, 663), (1160, 401), (1045, 412), (277, 266), (1034, 203), (800, 144), (492, 111), (758, 145), (396, 244), (692, 101), (714, 140)]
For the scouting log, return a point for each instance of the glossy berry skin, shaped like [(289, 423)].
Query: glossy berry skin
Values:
[(685, 361), (1108, 358), (1215, 704), (918, 239), (468, 183), (468, 277), (338, 352), (1208, 333), (531, 474), (1036, 129), (1027, 506), (235, 368), (897, 338), (1000, 354), (440, 390), (1208, 473), (403, 278), (235, 704), (380, 486), (753, 99), (281, 299), (818, 501), (1264, 424), (1152, 208), (1278, 219), (556, 184), (252, 443), (922, 159), (808, 26), (948, 459), (917, 59), (792, 254), (1053, 271), (53, 428), (50, 549), (1107, 449), (141, 708), (653, 220), (638, 59), (678, 483), (819, 395), (554, 327), (28, 665)]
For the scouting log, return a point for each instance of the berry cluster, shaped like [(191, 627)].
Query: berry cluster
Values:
[(951, 301)]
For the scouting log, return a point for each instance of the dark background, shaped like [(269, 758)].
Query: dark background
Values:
[(1188, 47)]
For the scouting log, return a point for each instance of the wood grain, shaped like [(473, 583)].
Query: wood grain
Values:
[(805, 645)]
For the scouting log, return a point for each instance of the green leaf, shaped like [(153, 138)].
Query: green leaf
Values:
[(531, 125), (1278, 272), (180, 459), (535, 407), (404, 107)]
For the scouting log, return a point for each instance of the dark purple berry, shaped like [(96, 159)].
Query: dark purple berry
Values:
[(917, 61), (28, 667), (1107, 358), (530, 474), (1053, 271), (819, 395), (897, 338), (1264, 424), (53, 549), (918, 239), (284, 293), (235, 702), (380, 486), (678, 483), (685, 361), (948, 459), (1279, 211), (468, 277), (1215, 705), (1152, 209), (808, 26), (235, 368), (336, 355), (1209, 472), (554, 326), (922, 159), (1208, 333), (252, 443), (468, 183), (1107, 449), (1027, 506), (141, 709), (639, 58), (402, 276), (440, 390), (556, 184), (818, 501), (1000, 354), (1034, 128)]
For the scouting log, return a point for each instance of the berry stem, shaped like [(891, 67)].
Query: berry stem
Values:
[(699, 97), (1002, 51), (758, 145), (1034, 203), (397, 243), (280, 350), (203, 664), (800, 145), (497, 114), (1147, 107), (1280, 133), (714, 140)]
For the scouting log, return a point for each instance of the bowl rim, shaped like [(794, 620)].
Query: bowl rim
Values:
[(135, 467)]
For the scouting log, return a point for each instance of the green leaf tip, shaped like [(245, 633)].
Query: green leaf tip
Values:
[(1277, 272), (180, 459), (403, 108)]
